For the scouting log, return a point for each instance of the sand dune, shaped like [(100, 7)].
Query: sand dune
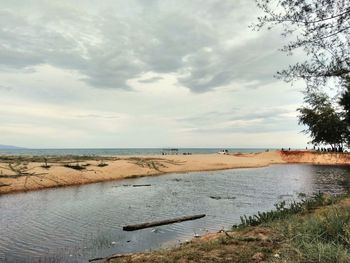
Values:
[(27, 173)]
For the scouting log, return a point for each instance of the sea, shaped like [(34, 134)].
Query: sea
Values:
[(125, 151)]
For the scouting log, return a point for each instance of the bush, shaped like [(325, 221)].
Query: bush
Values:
[(283, 211)]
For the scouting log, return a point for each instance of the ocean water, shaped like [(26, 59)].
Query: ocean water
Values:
[(122, 151)]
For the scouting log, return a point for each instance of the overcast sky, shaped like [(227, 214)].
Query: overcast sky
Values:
[(142, 73)]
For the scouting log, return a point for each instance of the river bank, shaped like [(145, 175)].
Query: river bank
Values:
[(25, 173), (315, 231)]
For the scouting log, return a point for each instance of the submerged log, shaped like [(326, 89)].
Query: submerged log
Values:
[(106, 259), (162, 222)]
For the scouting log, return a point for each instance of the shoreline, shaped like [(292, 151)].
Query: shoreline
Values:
[(279, 239), (29, 173)]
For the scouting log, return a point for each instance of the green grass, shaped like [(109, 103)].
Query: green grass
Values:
[(319, 237), (282, 210)]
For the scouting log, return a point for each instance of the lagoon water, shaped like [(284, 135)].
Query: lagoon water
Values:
[(74, 224)]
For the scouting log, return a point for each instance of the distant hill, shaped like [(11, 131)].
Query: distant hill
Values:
[(9, 147)]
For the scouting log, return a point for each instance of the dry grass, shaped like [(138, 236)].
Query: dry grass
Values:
[(250, 245), (153, 163)]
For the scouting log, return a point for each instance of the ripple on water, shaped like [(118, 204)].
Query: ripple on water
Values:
[(76, 223)]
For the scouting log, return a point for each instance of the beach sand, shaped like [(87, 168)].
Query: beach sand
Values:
[(26, 173)]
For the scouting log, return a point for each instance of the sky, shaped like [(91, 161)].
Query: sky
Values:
[(143, 73)]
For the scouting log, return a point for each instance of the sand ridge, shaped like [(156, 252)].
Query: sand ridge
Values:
[(25, 174)]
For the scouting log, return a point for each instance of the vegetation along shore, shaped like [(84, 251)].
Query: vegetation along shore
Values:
[(315, 229)]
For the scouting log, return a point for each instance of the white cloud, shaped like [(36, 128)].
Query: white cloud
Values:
[(204, 44), (140, 74)]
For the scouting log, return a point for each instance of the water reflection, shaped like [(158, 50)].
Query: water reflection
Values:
[(76, 223)]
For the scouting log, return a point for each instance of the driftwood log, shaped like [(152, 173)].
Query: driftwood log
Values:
[(106, 259), (162, 222)]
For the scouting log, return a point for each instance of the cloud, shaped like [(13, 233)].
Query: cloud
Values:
[(6, 88), (206, 44), (253, 120), (198, 75), (150, 80), (253, 61), (98, 116)]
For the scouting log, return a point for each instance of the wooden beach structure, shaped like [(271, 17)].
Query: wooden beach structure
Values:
[(170, 151)]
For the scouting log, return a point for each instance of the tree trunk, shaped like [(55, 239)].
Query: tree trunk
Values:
[(162, 222)]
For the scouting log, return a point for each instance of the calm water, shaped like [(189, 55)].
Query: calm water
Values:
[(125, 151), (77, 223)]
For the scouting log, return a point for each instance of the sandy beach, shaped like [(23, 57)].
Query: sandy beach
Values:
[(20, 173)]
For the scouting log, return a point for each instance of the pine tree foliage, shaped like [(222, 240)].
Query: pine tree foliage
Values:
[(321, 28)]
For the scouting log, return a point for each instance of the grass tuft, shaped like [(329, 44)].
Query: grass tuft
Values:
[(76, 166), (102, 164), (322, 237), (283, 211)]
